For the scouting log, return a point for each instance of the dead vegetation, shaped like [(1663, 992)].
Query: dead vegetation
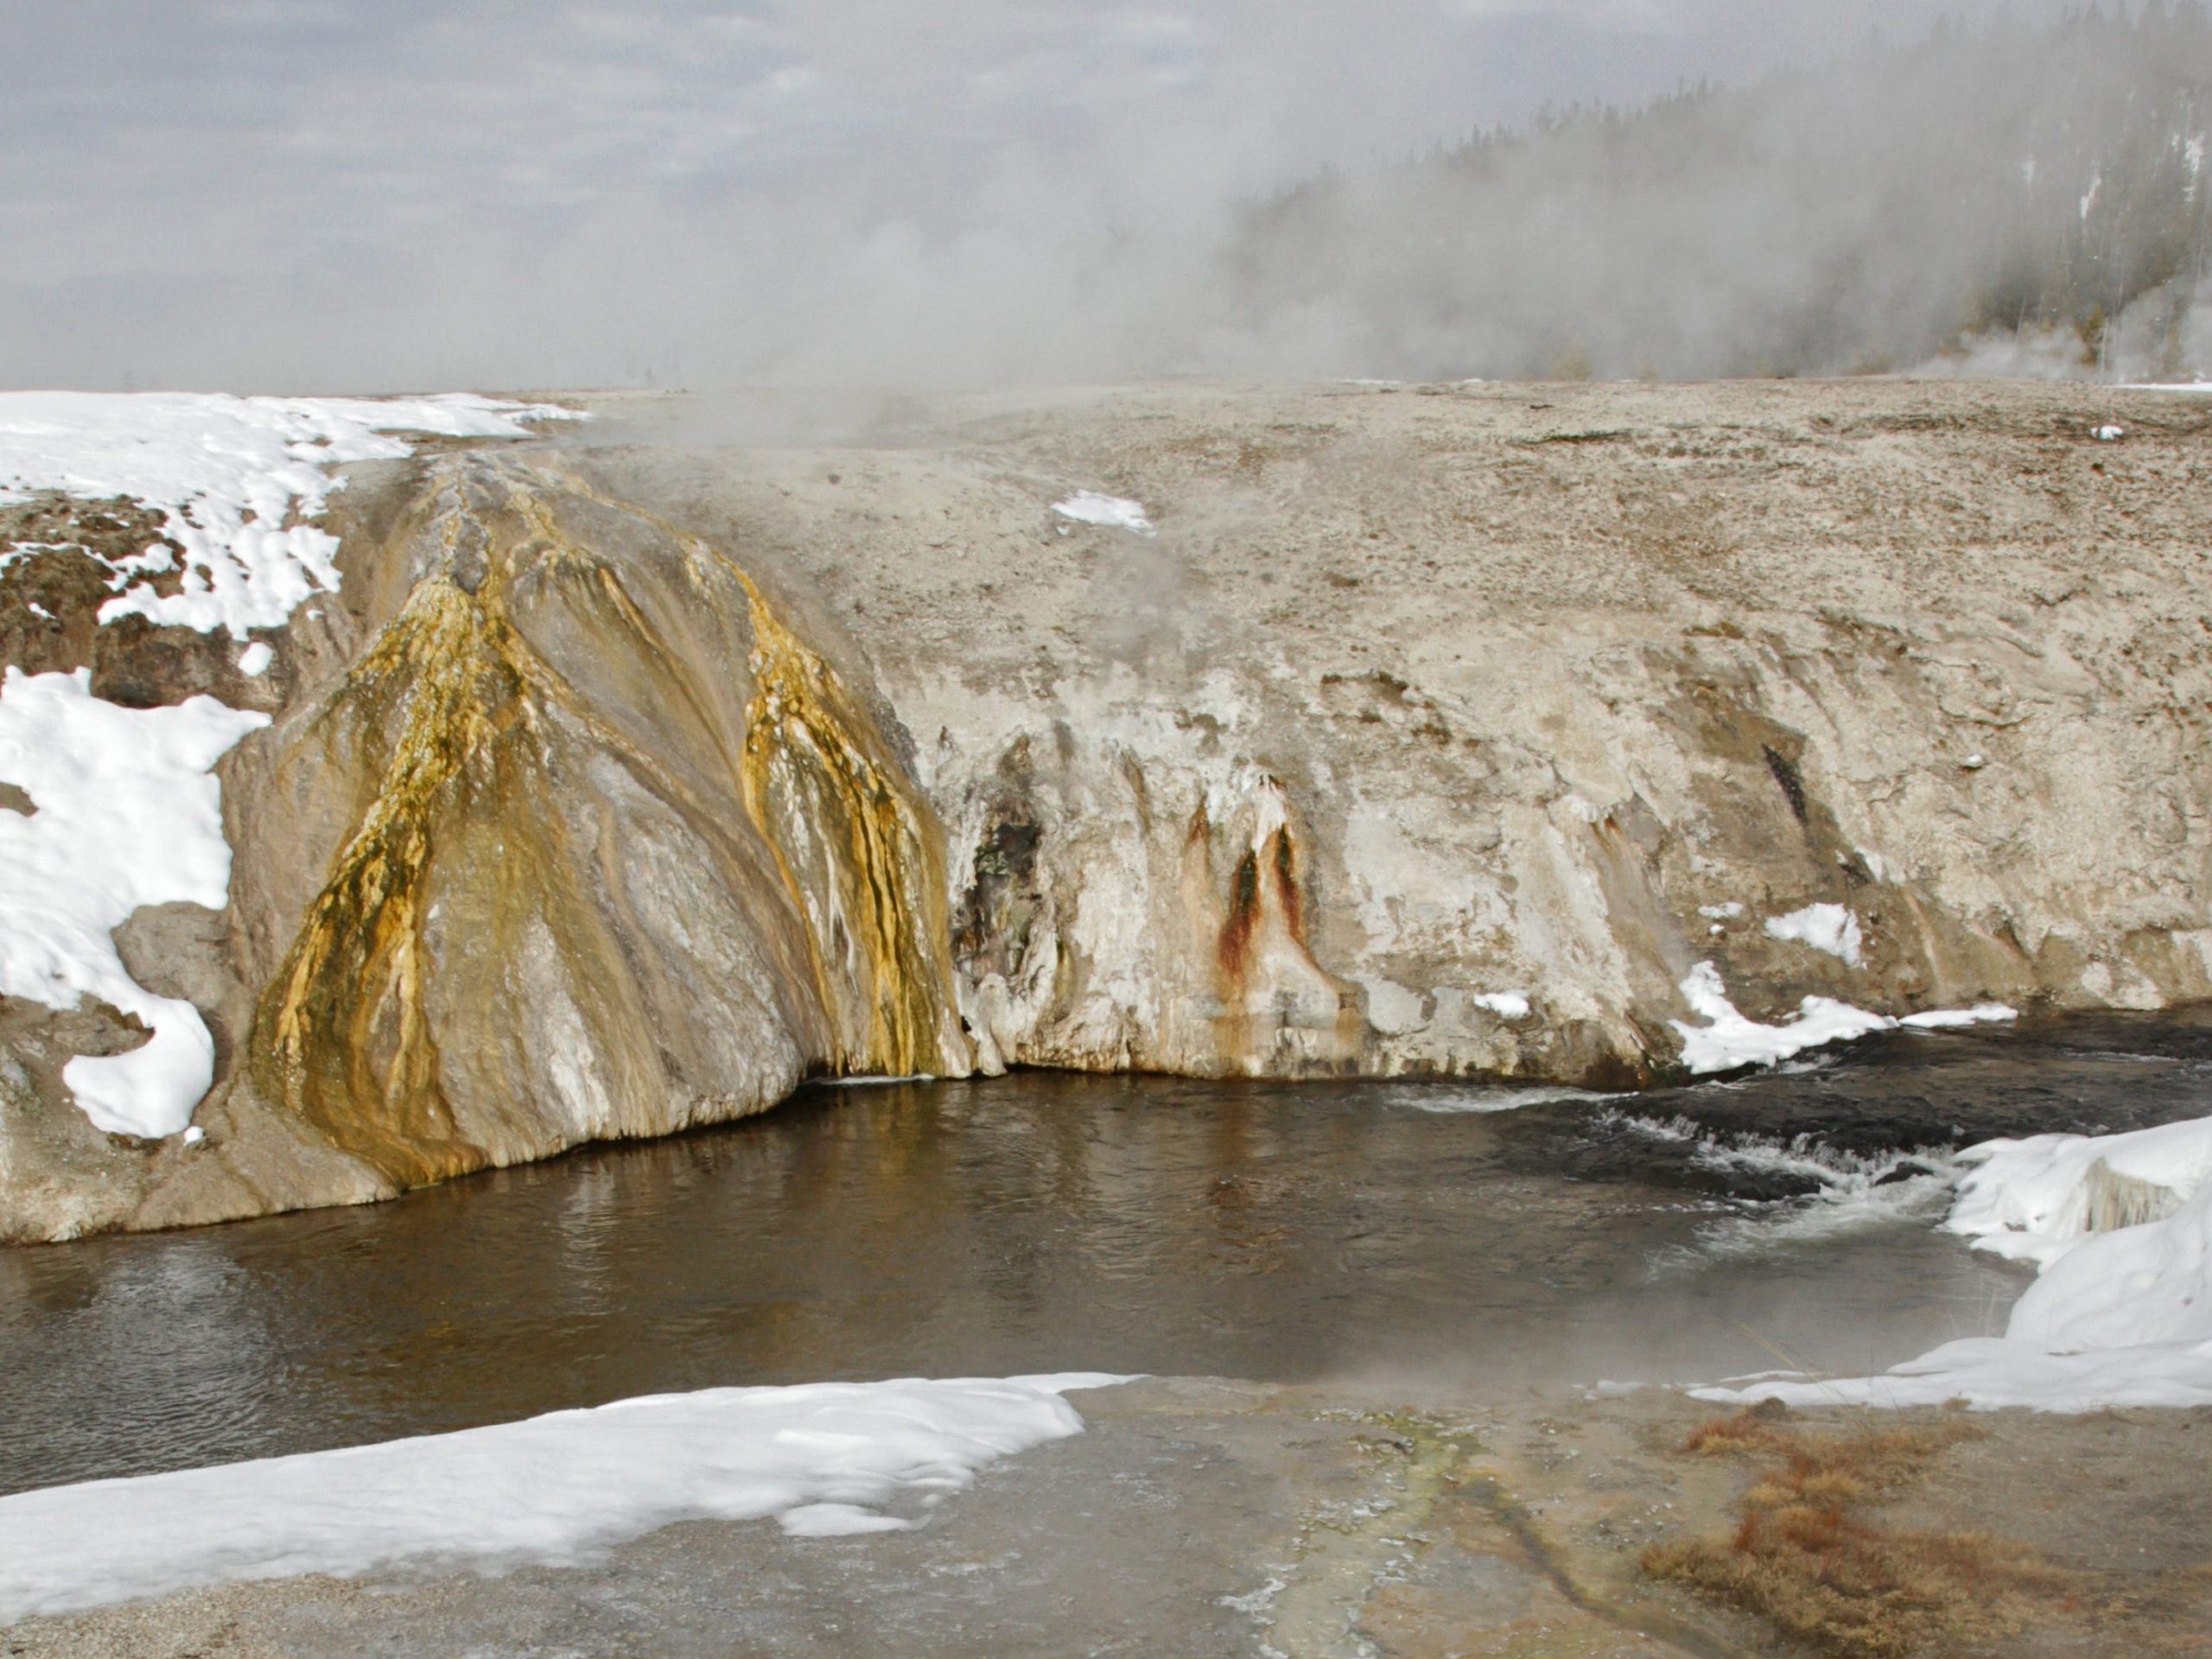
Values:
[(1808, 1555)]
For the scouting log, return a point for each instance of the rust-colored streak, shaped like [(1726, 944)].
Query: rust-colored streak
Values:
[(1288, 891), (344, 1039), (1233, 949), (811, 750)]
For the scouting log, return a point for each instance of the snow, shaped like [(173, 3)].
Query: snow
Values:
[(2035, 1200), (1506, 1005), (1727, 912), (1114, 512), (2108, 433), (1728, 1040), (825, 1460), (236, 478), (2121, 1225), (127, 815), (1830, 928), (1980, 1014)]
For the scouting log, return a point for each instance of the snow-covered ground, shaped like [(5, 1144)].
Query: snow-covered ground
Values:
[(2121, 1315), (824, 1459), (237, 478), (126, 811)]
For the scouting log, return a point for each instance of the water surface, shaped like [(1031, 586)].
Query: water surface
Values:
[(1043, 1223)]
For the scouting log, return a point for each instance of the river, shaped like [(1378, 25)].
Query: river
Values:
[(1042, 1222)]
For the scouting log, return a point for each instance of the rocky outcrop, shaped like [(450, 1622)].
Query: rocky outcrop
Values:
[(626, 781)]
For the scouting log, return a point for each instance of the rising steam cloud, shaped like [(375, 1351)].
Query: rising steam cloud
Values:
[(328, 194)]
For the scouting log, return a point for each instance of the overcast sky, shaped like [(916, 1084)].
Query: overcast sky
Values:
[(369, 195)]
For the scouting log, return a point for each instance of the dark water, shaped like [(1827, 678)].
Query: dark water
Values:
[(1040, 1222)]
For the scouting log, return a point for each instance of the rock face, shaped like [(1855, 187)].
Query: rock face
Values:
[(630, 779)]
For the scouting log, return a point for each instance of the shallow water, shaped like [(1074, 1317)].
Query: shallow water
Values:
[(1045, 1223)]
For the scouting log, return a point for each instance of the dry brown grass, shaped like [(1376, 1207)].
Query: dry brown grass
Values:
[(1808, 1558)]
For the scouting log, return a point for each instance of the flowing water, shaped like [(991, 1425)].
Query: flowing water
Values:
[(1043, 1223)]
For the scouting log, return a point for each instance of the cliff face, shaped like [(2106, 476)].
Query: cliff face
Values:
[(627, 778)]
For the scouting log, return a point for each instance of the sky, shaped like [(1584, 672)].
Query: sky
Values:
[(410, 195)]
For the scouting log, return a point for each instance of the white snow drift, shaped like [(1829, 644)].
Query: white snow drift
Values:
[(1728, 1040), (125, 812), (2122, 1313), (823, 1458)]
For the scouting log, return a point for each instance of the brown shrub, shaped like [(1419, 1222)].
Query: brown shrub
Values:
[(1804, 1557)]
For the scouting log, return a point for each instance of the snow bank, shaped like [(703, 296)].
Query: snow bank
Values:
[(235, 477), (2035, 1200), (1115, 512), (126, 814), (2122, 1313), (823, 1458), (1830, 928), (1728, 1041)]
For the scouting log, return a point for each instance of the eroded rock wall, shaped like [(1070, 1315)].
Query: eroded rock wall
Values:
[(626, 782), (1447, 730)]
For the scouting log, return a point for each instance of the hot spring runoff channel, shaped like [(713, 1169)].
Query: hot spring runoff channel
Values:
[(1041, 1222)]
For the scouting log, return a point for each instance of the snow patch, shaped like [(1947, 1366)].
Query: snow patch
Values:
[(823, 1458), (2034, 1199), (1728, 1041), (254, 660), (128, 814), (1981, 1013), (1114, 512), (236, 478), (1506, 1005), (1830, 928)]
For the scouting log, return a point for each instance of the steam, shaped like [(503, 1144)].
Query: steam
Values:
[(328, 194)]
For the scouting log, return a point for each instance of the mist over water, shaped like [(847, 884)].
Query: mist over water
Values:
[(276, 195)]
